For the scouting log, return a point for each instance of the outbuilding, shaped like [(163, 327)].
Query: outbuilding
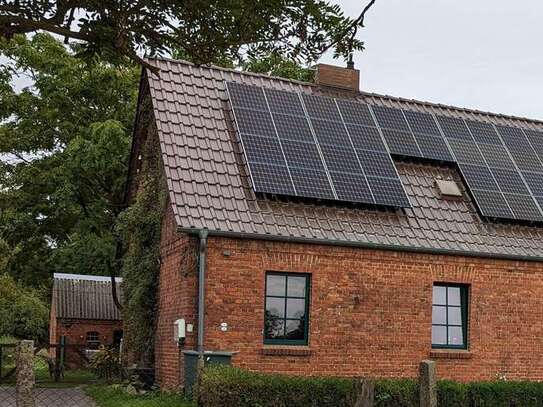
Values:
[(83, 316)]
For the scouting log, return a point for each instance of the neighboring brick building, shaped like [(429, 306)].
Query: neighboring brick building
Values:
[(83, 312), (323, 287)]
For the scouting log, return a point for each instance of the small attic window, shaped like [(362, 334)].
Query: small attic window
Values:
[(448, 188)]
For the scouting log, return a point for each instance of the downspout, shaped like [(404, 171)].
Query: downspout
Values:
[(201, 294)]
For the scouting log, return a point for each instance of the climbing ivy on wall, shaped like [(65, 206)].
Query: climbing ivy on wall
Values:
[(139, 228)]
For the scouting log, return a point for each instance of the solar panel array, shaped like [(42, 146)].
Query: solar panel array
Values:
[(314, 147), (319, 147)]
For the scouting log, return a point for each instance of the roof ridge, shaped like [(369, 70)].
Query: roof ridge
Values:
[(85, 277), (362, 93)]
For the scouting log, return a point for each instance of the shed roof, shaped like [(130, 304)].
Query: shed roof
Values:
[(209, 187), (78, 296)]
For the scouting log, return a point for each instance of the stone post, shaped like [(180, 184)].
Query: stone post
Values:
[(427, 384), (364, 392), (25, 374)]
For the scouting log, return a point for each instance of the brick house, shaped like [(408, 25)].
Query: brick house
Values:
[(83, 312), (443, 260)]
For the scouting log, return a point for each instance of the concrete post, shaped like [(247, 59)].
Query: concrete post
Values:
[(25, 374), (427, 384), (364, 392)]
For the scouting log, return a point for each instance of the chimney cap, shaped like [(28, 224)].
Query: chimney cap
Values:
[(350, 62)]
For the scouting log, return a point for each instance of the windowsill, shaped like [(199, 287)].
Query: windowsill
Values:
[(450, 354), (286, 350)]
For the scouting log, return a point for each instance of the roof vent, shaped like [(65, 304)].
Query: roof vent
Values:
[(448, 188)]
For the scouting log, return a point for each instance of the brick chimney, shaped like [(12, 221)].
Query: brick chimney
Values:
[(338, 77)]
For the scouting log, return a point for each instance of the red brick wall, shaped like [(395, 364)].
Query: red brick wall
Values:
[(75, 331), (176, 299), (370, 310)]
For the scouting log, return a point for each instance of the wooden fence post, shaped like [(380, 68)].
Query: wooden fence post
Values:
[(364, 392), (25, 374), (428, 384)]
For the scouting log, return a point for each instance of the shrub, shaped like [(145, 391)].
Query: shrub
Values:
[(506, 394), (105, 363), (398, 393), (228, 387), (231, 387)]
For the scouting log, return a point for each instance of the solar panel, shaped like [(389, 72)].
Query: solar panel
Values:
[(454, 128), (352, 187), (401, 143), (311, 183), (294, 128), (466, 152), (390, 118), (496, 156), (321, 107), (523, 207), (479, 177), (355, 113), (319, 147), (263, 150), (388, 191), (509, 181), (345, 162), (302, 155), (376, 163), (422, 123), (300, 145), (273, 179), (341, 159), (434, 147), (492, 204), (249, 97), (367, 138), (483, 132), (255, 122)]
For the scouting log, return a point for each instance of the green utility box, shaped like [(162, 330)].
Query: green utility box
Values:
[(191, 365)]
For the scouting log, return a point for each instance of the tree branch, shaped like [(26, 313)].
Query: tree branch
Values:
[(358, 22)]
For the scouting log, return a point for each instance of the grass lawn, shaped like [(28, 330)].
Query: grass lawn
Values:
[(112, 396)]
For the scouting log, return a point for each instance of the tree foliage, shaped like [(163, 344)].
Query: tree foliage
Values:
[(22, 313), (70, 131), (204, 29)]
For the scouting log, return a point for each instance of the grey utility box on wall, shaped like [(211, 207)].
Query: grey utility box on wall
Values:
[(191, 364)]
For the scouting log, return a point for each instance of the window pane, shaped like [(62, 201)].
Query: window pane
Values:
[(296, 287), (455, 315), (275, 307), (274, 328), (454, 295), (439, 335), (295, 308), (438, 315), (456, 336), (295, 329), (276, 285), (439, 295)]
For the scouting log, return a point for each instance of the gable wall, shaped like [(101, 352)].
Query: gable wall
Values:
[(370, 311), (177, 298), (75, 331)]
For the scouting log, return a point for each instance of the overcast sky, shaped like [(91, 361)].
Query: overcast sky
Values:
[(483, 54)]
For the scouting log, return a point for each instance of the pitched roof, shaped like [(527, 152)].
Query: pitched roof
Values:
[(209, 187), (79, 296)]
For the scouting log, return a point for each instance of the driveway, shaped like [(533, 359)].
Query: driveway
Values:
[(72, 397)]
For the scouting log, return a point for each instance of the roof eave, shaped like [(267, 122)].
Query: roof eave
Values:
[(363, 245)]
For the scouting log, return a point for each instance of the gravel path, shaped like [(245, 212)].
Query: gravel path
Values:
[(72, 397)]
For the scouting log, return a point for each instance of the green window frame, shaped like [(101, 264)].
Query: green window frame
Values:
[(450, 316), (286, 308)]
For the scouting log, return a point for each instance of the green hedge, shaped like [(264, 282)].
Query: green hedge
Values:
[(231, 387)]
